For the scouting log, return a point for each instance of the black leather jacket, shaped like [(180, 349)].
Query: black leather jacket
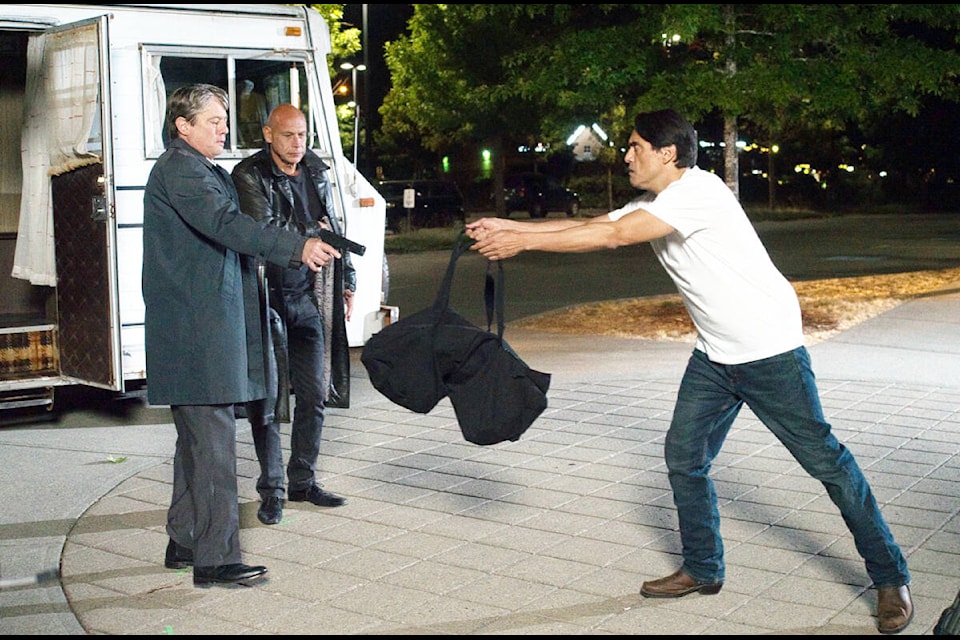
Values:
[(266, 195)]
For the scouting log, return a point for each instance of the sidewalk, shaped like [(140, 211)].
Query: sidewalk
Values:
[(552, 534)]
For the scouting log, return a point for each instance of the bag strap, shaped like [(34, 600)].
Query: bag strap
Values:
[(443, 294), (493, 296), (492, 290)]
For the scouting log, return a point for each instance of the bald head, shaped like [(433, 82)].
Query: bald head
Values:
[(286, 133), (283, 115)]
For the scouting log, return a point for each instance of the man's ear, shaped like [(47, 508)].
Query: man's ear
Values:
[(669, 153), (182, 124)]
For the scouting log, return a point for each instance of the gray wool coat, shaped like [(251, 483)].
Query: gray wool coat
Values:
[(202, 322)]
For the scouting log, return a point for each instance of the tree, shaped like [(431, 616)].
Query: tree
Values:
[(815, 66), (344, 42), (472, 72), (451, 86)]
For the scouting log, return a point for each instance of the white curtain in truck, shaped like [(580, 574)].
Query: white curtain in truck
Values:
[(154, 103), (60, 108)]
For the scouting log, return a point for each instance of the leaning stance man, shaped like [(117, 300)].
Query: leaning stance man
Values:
[(749, 351)]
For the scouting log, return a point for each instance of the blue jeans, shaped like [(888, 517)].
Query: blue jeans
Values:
[(782, 392)]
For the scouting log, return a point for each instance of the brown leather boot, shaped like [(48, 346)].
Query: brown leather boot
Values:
[(677, 585), (894, 609)]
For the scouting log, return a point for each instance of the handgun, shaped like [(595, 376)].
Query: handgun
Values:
[(340, 243)]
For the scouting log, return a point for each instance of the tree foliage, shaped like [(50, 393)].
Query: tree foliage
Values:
[(344, 41), (469, 73)]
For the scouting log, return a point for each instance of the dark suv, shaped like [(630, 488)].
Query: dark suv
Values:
[(538, 194), (436, 203)]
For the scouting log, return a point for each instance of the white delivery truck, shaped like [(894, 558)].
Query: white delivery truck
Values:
[(82, 95)]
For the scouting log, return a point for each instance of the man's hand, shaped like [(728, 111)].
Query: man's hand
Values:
[(493, 238), (499, 245), (476, 228), (348, 303), (318, 254)]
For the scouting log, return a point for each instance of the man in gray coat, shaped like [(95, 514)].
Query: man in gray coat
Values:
[(202, 326)]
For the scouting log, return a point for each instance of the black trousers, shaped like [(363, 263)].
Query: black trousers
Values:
[(305, 349)]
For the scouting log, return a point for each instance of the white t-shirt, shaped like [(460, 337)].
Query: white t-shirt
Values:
[(742, 306)]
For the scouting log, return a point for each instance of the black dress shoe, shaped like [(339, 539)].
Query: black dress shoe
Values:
[(227, 574), (316, 495), (177, 557), (271, 510)]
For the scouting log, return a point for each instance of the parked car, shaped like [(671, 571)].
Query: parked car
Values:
[(538, 194), (437, 203)]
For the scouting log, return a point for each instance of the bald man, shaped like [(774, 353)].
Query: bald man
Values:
[(286, 185)]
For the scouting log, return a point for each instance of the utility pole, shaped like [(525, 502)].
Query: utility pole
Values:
[(367, 104)]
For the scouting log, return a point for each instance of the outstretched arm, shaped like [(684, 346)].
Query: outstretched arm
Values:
[(497, 241), (494, 224)]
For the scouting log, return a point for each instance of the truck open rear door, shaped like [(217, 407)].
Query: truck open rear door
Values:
[(76, 70)]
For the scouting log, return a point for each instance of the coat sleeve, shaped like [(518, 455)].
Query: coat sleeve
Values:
[(254, 194), (215, 214), (326, 194), (349, 271)]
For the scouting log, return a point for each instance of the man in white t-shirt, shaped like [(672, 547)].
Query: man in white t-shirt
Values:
[(749, 351)]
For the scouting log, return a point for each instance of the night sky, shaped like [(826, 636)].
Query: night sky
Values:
[(384, 23)]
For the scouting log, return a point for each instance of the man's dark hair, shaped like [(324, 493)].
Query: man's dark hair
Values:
[(667, 127)]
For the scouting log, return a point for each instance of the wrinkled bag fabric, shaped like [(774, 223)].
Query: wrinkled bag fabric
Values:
[(435, 353), (949, 622)]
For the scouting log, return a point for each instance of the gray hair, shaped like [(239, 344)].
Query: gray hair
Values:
[(187, 103)]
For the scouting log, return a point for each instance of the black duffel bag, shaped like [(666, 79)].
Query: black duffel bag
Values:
[(436, 352)]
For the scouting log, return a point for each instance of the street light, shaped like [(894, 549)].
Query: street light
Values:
[(353, 69)]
